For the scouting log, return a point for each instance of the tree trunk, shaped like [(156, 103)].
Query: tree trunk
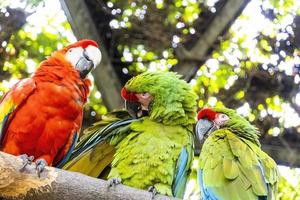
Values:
[(105, 76), (59, 184)]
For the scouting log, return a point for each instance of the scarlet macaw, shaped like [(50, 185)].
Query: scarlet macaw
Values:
[(41, 116)]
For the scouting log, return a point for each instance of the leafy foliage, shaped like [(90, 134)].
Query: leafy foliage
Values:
[(254, 68), (287, 191), (26, 46)]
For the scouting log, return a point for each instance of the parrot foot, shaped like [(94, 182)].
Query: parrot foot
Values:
[(114, 182), (40, 166), (153, 190), (27, 160)]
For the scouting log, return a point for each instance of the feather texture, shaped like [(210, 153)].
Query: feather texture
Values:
[(232, 164), (155, 150), (12, 100), (42, 115)]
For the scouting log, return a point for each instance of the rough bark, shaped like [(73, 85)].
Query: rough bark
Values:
[(59, 184)]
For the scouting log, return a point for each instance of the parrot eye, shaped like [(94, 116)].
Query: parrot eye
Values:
[(221, 119), (223, 116), (145, 95)]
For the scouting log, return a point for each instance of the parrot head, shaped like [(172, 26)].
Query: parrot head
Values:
[(83, 55), (137, 104), (211, 119), (163, 96)]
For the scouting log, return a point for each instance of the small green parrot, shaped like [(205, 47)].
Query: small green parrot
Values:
[(232, 165), (154, 149)]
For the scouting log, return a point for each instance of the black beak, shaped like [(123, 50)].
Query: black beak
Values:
[(84, 65), (133, 108), (203, 128)]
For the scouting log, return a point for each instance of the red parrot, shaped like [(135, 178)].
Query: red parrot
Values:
[(41, 116)]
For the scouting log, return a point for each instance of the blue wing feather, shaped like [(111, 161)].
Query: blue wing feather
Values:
[(67, 156), (206, 192), (266, 183), (99, 136), (182, 168)]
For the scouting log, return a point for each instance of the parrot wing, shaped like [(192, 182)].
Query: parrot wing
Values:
[(94, 152), (235, 168), (12, 100), (67, 150), (182, 170)]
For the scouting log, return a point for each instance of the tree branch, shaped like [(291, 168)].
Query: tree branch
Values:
[(218, 27), (59, 184)]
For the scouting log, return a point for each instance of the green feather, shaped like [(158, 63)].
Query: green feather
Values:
[(148, 154), (232, 161), (240, 126), (174, 101), (146, 151), (230, 168)]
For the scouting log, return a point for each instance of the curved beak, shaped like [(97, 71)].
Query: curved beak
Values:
[(203, 128), (133, 108), (84, 65)]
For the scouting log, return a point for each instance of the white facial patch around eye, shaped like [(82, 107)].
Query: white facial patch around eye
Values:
[(94, 54), (74, 54), (221, 119)]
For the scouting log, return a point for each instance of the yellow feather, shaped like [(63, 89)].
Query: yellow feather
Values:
[(230, 168), (94, 161)]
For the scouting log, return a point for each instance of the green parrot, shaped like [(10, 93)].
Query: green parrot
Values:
[(232, 165), (151, 149)]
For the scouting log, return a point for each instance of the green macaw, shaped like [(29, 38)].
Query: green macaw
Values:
[(153, 149), (232, 165)]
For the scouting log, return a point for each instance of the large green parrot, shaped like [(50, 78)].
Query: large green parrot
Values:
[(153, 149), (232, 165)]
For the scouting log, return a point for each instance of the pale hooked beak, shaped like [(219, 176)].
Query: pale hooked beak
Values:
[(84, 65), (91, 57), (203, 128)]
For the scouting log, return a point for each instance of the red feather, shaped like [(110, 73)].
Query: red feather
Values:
[(81, 43), (129, 96), (207, 113), (44, 124)]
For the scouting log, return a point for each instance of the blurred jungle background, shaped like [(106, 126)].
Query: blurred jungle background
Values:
[(239, 53)]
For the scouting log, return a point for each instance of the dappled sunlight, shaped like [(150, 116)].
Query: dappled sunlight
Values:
[(252, 67)]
